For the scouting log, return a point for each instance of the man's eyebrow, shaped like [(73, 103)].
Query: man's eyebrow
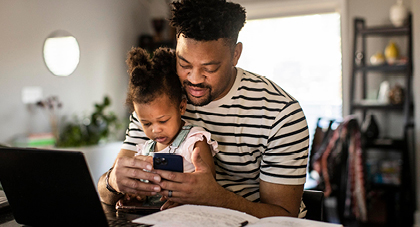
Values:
[(182, 58), (156, 118), (207, 63)]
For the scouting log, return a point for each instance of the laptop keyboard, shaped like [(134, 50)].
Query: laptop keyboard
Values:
[(122, 222)]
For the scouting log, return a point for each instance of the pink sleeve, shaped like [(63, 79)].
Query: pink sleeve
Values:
[(197, 134)]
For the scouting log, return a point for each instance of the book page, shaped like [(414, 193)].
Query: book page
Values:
[(291, 222), (194, 215)]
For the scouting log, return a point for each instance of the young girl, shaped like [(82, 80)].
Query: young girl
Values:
[(156, 95)]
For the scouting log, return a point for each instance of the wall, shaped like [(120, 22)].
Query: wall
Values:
[(105, 30)]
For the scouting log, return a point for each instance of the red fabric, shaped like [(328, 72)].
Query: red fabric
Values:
[(355, 191)]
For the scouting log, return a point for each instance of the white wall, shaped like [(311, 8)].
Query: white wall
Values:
[(105, 30)]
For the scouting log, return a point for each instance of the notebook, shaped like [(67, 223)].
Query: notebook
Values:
[(50, 188)]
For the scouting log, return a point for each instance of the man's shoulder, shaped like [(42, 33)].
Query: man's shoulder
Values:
[(253, 84)]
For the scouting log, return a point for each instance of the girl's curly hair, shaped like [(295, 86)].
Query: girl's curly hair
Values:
[(152, 77), (206, 20)]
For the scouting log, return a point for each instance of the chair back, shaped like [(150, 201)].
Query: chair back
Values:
[(314, 202)]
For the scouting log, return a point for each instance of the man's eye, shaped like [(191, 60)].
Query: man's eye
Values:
[(210, 71), (185, 66)]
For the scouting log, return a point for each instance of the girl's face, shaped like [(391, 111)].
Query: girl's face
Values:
[(161, 119)]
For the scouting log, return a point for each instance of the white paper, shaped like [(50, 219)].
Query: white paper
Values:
[(194, 215), (199, 216), (291, 222)]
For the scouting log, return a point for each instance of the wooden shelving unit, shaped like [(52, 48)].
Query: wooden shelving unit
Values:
[(399, 198)]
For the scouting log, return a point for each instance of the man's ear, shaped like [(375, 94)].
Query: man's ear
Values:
[(237, 53), (183, 106)]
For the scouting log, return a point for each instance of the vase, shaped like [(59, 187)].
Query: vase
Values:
[(398, 14), (370, 128), (391, 53), (383, 95)]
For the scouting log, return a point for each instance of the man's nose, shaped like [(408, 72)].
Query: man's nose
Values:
[(196, 76)]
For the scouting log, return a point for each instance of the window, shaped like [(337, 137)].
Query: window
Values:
[(302, 54)]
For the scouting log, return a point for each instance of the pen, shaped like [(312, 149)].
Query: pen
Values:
[(244, 223)]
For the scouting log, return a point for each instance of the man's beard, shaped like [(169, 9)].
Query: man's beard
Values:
[(202, 101)]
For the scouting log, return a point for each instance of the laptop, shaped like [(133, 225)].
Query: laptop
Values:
[(51, 188)]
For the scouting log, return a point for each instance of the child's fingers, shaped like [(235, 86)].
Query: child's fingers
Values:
[(173, 204), (163, 198)]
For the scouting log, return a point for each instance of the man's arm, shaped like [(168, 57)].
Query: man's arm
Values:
[(123, 177), (201, 188)]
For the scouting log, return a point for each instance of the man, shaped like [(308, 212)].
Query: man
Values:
[(261, 130)]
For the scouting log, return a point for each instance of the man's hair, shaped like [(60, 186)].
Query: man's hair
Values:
[(152, 77), (207, 20)]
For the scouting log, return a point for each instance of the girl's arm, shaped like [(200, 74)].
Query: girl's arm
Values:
[(206, 155)]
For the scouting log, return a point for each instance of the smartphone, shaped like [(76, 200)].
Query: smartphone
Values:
[(148, 205), (170, 162)]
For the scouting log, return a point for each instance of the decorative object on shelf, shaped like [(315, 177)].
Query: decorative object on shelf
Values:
[(377, 59), (158, 25), (398, 14), (359, 57), (52, 105), (384, 92), (370, 128), (90, 131), (396, 95), (391, 53)]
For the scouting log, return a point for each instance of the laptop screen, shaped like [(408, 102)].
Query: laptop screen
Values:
[(50, 188)]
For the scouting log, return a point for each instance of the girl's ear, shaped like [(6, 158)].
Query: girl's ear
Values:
[(183, 106)]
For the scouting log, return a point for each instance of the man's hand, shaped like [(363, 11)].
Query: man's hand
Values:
[(129, 170), (198, 187)]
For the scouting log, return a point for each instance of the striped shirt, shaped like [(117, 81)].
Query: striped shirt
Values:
[(261, 131)]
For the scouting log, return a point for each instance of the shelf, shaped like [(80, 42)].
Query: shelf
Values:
[(381, 154), (387, 187), (383, 68), (377, 106), (385, 31), (385, 143)]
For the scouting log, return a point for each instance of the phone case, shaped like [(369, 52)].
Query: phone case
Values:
[(170, 162), (149, 205)]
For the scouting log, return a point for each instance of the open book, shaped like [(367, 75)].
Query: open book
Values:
[(194, 215)]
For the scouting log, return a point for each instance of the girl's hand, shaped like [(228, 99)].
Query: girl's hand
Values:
[(168, 204)]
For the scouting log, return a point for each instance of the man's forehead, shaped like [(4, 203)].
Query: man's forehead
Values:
[(207, 51)]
